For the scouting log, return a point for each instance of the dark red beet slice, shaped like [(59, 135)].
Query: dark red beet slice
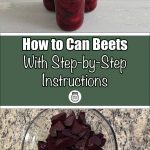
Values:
[(72, 133), (77, 128), (100, 135), (81, 118), (64, 142), (92, 133), (70, 120), (84, 134), (103, 141), (93, 147), (50, 138), (51, 146), (68, 133), (56, 127), (80, 144), (95, 141), (61, 148), (59, 134), (42, 145), (88, 126), (59, 117)]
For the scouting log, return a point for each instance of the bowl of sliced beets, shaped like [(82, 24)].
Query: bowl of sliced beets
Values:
[(59, 129)]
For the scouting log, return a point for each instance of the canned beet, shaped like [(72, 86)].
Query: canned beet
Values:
[(49, 5), (69, 13), (90, 5)]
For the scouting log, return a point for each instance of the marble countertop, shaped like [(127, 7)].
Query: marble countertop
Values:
[(110, 16), (132, 127)]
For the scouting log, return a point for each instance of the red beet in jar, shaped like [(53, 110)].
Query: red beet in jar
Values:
[(49, 5), (69, 13), (90, 5)]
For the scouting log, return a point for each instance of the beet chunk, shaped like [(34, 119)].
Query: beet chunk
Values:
[(68, 133), (51, 145), (80, 144), (59, 117), (81, 118), (84, 134), (100, 135), (96, 141), (71, 133), (70, 120), (56, 127), (51, 139), (88, 126), (42, 145), (64, 142), (77, 128), (103, 142)]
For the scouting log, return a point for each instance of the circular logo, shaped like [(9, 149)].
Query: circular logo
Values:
[(75, 96)]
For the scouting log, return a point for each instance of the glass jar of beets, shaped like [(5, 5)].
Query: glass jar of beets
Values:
[(90, 5), (49, 5), (69, 13)]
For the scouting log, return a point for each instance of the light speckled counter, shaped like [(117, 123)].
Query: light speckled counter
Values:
[(132, 127)]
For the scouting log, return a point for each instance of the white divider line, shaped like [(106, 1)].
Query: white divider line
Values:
[(75, 107), (75, 34)]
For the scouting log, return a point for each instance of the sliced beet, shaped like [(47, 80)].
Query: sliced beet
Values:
[(81, 118), (61, 148), (68, 133), (64, 142), (42, 145), (100, 135), (77, 128), (93, 147), (51, 139), (70, 120), (56, 127), (84, 134), (72, 147), (59, 117), (95, 140), (59, 134), (88, 126), (103, 141), (92, 133), (81, 144), (51, 145), (71, 133)]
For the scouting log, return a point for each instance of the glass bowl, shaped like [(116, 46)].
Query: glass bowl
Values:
[(38, 129)]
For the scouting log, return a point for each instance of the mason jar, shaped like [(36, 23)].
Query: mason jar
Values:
[(69, 13), (90, 5)]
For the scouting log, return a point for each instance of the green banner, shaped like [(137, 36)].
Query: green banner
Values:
[(106, 70)]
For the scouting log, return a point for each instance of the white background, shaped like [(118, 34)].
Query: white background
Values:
[(110, 16)]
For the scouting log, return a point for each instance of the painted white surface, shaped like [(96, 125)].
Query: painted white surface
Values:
[(110, 16)]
